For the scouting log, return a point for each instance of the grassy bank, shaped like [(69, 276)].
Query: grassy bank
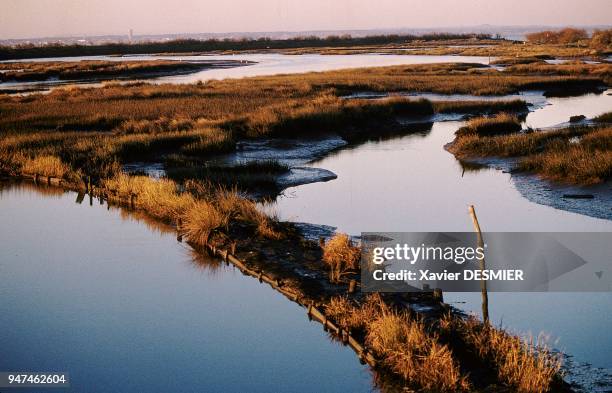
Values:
[(443, 356), (216, 101), (501, 124), (92, 69), (574, 155), (95, 130)]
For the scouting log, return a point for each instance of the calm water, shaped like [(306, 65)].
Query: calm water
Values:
[(266, 64), (122, 306), (411, 183)]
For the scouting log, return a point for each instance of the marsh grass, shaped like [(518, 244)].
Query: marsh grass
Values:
[(201, 220), (139, 107), (325, 114), (255, 176), (402, 342), (528, 365), (581, 155), (499, 124), (341, 256), (90, 69), (410, 351), (46, 166), (426, 356), (604, 118), (472, 107)]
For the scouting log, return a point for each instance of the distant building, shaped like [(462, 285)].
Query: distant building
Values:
[(131, 35)]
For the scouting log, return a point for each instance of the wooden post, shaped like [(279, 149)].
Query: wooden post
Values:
[(483, 283), (437, 294), (351, 288)]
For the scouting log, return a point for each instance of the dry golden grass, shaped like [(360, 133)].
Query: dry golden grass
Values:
[(406, 348), (201, 220), (110, 107), (36, 71), (411, 349), (236, 207), (574, 155), (159, 198), (480, 106), (341, 256), (526, 365), (45, 166), (576, 164), (401, 343), (602, 71), (349, 316), (500, 124)]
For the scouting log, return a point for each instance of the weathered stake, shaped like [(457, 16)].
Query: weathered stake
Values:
[(483, 283), (437, 295), (351, 288)]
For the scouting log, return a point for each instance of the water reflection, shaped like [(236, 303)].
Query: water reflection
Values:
[(264, 65), (111, 297)]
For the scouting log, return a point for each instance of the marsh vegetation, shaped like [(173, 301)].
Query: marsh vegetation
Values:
[(77, 133), (94, 69), (576, 155)]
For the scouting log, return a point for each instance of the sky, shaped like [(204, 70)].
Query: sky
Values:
[(48, 18)]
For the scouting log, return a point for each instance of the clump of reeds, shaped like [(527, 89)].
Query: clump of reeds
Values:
[(162, 124), (500, 124), (604, 118), (45, 166), (406, 348), (201, 220), (245, 210), (341, 256), (575, 164), (400, 342), (159, 198), (351, 316), (580, 155), (480, 106), (527, 365)]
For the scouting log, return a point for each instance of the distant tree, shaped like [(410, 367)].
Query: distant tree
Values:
[(601, 39), (572, 36), (541, 37), (565, 36)]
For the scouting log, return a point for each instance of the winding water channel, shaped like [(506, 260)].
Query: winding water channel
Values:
[(122, 306), (262, 65)]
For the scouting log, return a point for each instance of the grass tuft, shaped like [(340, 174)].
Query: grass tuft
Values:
[(500, 124), (341, 256), (45, 166)]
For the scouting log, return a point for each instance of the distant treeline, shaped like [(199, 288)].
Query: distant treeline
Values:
[(600, 39), (192, 45)]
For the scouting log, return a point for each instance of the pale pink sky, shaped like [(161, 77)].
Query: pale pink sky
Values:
[(36, 18)]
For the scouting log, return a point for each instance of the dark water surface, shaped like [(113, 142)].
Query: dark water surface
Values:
[(123, 307)]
